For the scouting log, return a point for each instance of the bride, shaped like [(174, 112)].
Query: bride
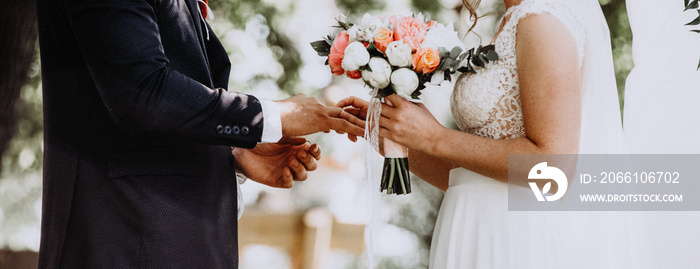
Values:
[(551, 92)]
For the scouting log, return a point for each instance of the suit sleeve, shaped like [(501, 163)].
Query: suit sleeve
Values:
[(121, 45)]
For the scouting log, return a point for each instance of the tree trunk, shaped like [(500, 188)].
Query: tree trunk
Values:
[(18, 34)]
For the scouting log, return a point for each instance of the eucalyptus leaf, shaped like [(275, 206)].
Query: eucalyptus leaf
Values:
[(462, 57), (492, 55), (449, 63), (455, 51), (443, 52), (692, 5), (696, 21)]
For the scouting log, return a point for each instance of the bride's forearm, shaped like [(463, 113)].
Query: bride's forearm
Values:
[(432, 169), (488, 157)]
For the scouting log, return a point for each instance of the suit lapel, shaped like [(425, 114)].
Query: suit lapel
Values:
[(197, 20)]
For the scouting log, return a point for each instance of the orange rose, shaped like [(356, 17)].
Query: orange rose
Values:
[(382, 38), (411, 31), (335, 58), (426, 60), (354, 74)]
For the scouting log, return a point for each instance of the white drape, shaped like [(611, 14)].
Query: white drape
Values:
[(662, 116)]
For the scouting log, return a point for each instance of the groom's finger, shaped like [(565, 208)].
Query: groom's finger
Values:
[(315, 151), (287, 179), (307, 159), (291, 140), (298, 170)]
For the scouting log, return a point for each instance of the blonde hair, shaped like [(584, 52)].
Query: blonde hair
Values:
[(471, 6)]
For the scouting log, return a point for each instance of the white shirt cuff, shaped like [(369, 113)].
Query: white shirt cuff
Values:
[(240, 179), (272, 121)]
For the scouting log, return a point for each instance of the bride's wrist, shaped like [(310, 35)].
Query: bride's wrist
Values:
[(435, 140)]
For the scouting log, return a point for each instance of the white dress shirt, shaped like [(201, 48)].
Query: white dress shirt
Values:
[(272, 132)]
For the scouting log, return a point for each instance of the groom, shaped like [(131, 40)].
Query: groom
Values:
[(138, 168)]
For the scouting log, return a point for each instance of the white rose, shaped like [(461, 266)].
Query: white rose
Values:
[(399, 54), (370, 22), (356, 55), (356, 33), (380, 75), (405, 82), (442, 36)]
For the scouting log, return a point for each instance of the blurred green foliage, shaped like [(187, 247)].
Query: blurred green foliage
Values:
[(359, 7), (621, 38), (241, 11), (20, 181)]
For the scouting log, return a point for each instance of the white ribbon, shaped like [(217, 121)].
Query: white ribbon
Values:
[(373, 166)]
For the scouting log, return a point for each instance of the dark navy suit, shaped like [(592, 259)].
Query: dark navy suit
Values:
[(138, 171)]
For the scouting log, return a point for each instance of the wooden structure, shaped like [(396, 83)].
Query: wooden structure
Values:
[(307, 237)]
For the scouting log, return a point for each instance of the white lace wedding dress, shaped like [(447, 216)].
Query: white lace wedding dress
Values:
[(474, 228)]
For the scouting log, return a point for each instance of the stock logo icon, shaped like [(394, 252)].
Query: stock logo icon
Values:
[(542, 171)]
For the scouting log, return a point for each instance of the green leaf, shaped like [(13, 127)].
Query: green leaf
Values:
[(492, 55), (462, 57), (381, 93), (448, 76), (686, 2), (696, 21), (321, 47), (456, 51), (443, 52), (698, 67), (329, 39), (692, 5), (697, 31)]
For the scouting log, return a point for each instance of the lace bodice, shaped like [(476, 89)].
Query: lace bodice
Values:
[(487, 103)]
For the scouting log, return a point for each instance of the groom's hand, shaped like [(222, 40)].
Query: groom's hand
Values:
[(302, 115), (278, 165)]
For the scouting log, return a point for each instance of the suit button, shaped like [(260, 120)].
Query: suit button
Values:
[(236, 130), (245, 130), (219, 129), (227, 130)]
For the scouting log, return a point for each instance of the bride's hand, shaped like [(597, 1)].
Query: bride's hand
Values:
[(409, 124), (356, 107)]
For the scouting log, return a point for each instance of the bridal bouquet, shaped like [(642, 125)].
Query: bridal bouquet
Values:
[(397, 54)]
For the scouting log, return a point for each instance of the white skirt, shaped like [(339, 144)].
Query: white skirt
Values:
[(474, 229)]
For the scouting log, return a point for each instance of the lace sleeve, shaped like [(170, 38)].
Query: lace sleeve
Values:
[(561, 11)]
